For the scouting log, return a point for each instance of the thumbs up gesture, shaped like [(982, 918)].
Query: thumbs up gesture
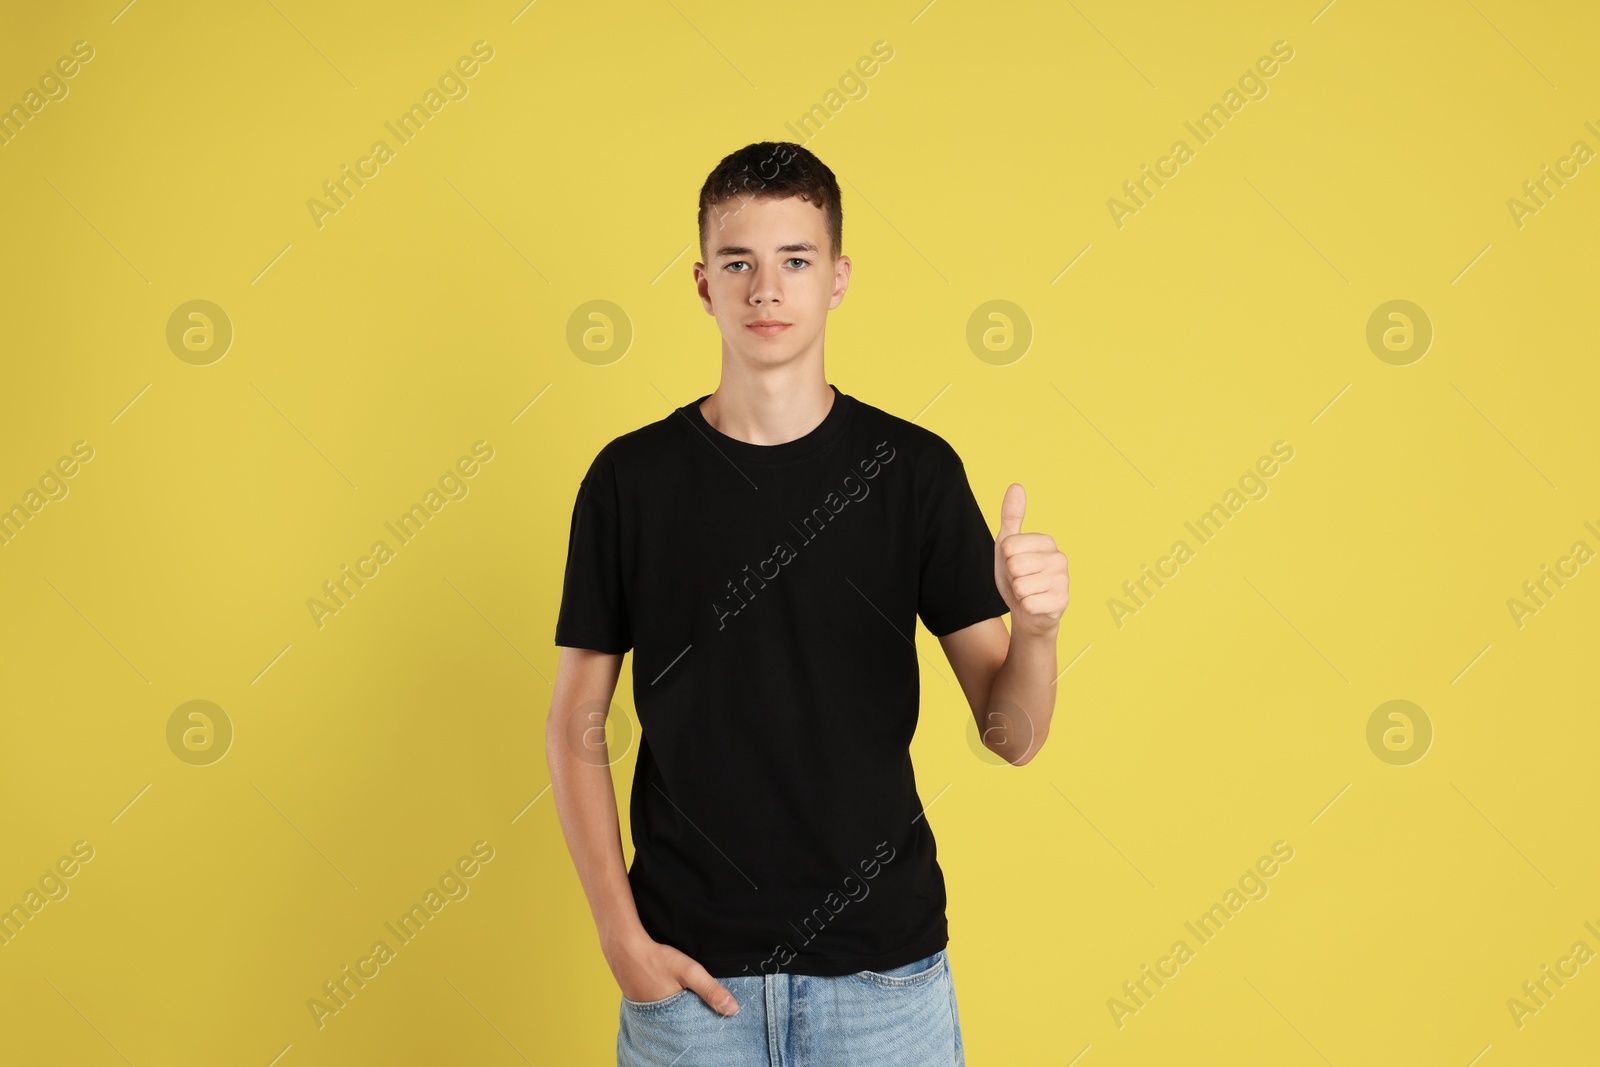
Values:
[(1030, 572)]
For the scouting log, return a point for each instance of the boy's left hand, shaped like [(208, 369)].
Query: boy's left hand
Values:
[(1029, 571)]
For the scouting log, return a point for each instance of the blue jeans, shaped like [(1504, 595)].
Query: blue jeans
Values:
[(902, 1016)]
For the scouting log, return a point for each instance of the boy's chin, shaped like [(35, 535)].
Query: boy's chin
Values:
[(767, 349)]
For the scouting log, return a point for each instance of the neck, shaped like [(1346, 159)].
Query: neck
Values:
[(769, 407)]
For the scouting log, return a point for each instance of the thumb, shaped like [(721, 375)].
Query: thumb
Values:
[(1011, 509), (711, 991)]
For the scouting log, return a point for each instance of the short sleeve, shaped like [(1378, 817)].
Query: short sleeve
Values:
[(594, 608), (956, 586)]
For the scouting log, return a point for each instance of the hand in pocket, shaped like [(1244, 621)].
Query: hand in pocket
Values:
[(646, 970)]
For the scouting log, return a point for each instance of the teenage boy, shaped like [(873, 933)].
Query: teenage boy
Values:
[(765, 552)]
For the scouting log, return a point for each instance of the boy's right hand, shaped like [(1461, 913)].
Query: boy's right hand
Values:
[(647, 970)]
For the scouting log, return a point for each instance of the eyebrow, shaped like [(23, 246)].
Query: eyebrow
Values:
[(739, 250)]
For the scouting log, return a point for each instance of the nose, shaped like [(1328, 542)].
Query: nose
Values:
[(764, 290)]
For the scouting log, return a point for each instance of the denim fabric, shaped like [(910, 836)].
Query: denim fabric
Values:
[(902, 1017)]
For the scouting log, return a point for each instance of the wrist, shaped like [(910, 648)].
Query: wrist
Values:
[(621, 935), (1044, 631)]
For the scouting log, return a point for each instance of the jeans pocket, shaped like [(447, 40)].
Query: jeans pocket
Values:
[(656, 1005), (916, 973)]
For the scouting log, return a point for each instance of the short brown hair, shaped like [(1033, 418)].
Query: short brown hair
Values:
[(771, 169)]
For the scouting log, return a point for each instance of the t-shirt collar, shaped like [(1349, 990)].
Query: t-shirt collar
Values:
[(745, 452)]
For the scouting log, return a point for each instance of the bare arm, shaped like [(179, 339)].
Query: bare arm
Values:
[(1008, 680), (580, 778), (586, 803)]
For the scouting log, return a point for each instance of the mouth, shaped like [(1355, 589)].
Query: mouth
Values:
[(767, 327)]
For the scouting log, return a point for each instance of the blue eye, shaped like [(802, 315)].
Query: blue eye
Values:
[(741, 263)]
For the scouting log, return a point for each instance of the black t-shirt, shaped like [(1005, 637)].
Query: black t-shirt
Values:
[(770, 595)]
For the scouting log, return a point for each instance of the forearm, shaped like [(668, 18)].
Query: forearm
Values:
[(587, 806), (1022, 699)]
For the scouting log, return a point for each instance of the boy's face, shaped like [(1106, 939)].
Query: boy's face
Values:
[(770, 261)]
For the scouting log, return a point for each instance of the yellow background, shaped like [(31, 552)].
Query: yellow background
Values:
[(431, 311)]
